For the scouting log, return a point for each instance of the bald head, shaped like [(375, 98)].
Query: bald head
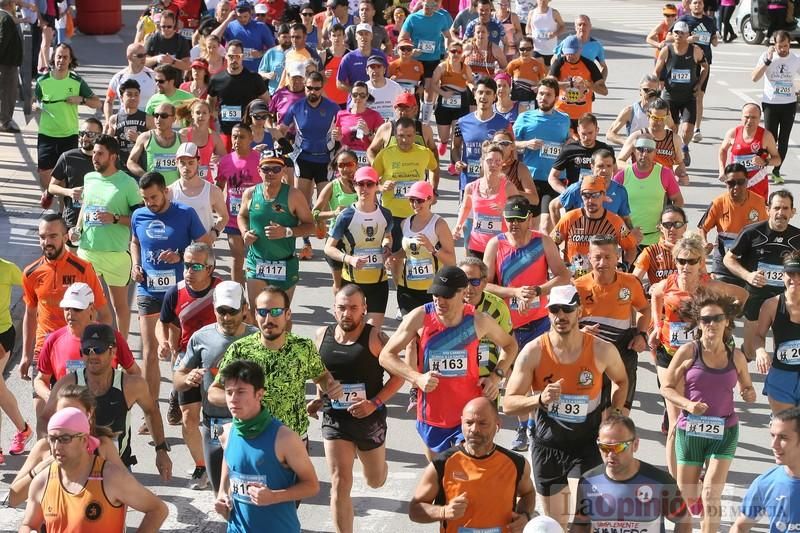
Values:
[(481, 406)]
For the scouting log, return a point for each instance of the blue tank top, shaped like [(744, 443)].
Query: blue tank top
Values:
[(254, 460)]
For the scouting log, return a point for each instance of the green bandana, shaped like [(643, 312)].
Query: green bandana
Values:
[(250, 429)]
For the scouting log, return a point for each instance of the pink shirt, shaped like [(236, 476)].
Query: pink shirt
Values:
[(61, 353), (346, 121), (487, 216), (235, 174), (668, 180)]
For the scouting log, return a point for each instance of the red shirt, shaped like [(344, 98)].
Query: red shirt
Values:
[(61, 353)]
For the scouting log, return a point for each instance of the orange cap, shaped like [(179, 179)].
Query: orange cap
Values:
[(593, 183)]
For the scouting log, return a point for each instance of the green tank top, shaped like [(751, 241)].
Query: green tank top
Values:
[(264, 212), (162, 159), (418, 138), (339, 198), (646, 198)]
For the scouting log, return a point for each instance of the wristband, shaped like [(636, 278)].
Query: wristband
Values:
[(377, 402), (315, 214), (767, 62), (643, 334), (289, 233)]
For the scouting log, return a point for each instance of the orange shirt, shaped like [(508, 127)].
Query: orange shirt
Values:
[(527, 69), (88, 511), (657, 261), (44, 284), (729, 218), (411, 70), (611, 306), (571, 100), (575, 228), (581, 377)]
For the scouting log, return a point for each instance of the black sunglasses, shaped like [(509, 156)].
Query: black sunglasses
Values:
[(160, 81), (271, 169), (94, 350), (710, 319), (228, 311), (671, 225), (315, 89), (685, 261), (161, 115), (733, 183), (559, 308), (260, 116)]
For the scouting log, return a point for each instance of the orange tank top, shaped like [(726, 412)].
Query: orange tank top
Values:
[(581, 377), (451, 78), (88, 511)]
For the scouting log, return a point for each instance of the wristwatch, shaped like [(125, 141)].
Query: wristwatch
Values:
[(163, 446), (116, 218), (499, 372), (537, 290)]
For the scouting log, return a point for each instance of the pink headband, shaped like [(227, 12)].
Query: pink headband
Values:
[(503, 76), (74, 420)]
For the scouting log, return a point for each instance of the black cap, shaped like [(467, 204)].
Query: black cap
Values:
[(518, 207), (791, 266), (98, 337), (447, 281)]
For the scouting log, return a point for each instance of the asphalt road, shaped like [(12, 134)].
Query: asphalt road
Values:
[(621, 25)]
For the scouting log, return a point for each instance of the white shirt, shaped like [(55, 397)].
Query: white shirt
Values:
[(779, 78), (384, 97), (147, 85)]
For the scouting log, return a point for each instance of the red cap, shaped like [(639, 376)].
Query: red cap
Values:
[(366, 174), (406, 99), (200, 63)]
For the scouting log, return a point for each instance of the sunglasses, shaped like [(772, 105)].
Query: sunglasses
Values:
[(656, 118), (366, 184), (308, 14), (228, 311), (559, 308), (92, 350), (161, 115), (734, 183), (314, 89), (475, 282), (166, 27), (710, 319), (271, 311), (644, 150), (406, 49), (616, 447), (90, 134), (137, 56), (671, 225), (271, 169), (417, 200), (346, 164), (592, 195), (261, 116), (504, 144), (524, 49), (234, 56), (518, 220), (685, 261), (455, 50), (63, 439), (670, 16), (195, 267), (160, 81), (358, 95)]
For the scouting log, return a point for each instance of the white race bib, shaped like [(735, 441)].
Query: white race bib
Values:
[(680, 333), (401, 188), (746, 160), (160, 280), (236, 205), (783, 87), (362, 158), (203, 172), (427, 47), (374, 257), (448, 363), (703, 37), (550, 150), (788, 352), (570, 408), (164, 162), (473, 169), (187, 33), (92, 215), (419, 269), (73, 365), (271, 270), (680, 75), (352, 393), (706, 427), (249, 53), (452, 102), (773, 273), (483, 354), (239, 483), (488, 224), (230, 113)]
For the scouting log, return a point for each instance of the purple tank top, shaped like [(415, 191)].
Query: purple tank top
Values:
[(713, 386)]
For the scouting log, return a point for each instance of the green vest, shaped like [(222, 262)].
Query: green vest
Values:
[(646, 198), (162, 160), (264, 212), (339, 198)]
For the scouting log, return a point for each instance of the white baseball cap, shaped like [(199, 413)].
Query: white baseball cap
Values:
[(261, 9), (563, 295), (187, 150), (228, 294), (78, 296), (363, 26)]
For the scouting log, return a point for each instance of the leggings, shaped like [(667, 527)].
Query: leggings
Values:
[(777, 20), (779, 119), (726, 12)]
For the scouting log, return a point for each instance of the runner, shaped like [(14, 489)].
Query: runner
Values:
[(405, 105), (380, 37), (166, 46), (331, 59), (527, 71), (634, 117), (590, 48), (128, 123), (199, 366), (361, 239), (197, 113), (446, 372), (575, 159), (354, 426), (86, 485), (516, 172), (355, 127), (567, 409), (544, 25), (499, 495), (657, 38), (197, 193), (756, 255), (353, 67), (273, 62), (483, 56), (728, 214), (778, 313), (168, 79), (157, 147), (579, 79), (671, 329), (266, 468), (504, 105), (406, 70), (623, 480), (700, 381), (11, 276), (382, 89), (752, 146), (451, 83), (270, 214), (512, 28), (254, 37), (656, 260)]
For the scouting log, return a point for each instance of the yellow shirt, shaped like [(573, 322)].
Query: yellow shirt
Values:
[(10, 275), (404, 168)]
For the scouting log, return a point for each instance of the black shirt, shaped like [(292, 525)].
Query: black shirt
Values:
[(760, 248), (70, 168), (176, 46), (10, 41), (576, 160), (233, 93)]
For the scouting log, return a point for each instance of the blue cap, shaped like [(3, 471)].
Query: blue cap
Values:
[(244, 4), (571, 45)]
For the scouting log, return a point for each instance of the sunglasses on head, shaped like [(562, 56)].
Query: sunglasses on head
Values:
[(686, 261), (271, 311), (161, 115), (195, 267), (228, 311), (94, 350), (671, 225), (271, 169), (616, 447), (260, 116), (62, 439), (561, 308), (734, 183), (710, 319)]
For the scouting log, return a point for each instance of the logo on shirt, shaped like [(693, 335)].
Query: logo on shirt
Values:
[(644, 493), (752, 215), (369, 231), (624, 294), (460, 476), (156, 230), (68, 279), (93, 511), (755, 146), (585, 378)]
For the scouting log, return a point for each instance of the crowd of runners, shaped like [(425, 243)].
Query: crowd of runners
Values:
[(254, 134)]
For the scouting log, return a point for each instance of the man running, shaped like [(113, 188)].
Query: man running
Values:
[(158, 146), (405, 105), (575, 160), (129, 122), (565, 369), (634, 117)]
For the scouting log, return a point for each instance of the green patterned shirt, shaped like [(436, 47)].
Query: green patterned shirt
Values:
[(286, 372)]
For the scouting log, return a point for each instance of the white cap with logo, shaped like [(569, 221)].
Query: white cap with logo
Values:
[(228, 294), (187, 150), (78, 296)]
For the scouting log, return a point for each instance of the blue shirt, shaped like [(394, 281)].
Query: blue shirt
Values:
[(427, 33), (704, 29), (776, 494), (496, 30), (273, 61), (592, 50), (618, 203), (174, 230), (313, 126), (473, 132), (353, 66), (255, 36), (552, 128)]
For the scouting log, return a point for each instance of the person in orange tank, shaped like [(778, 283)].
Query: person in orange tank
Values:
[(579, 78)]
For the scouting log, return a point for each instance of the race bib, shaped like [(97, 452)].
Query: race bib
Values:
[(164, 162), (352, 393), (788, 352), (680, 333), (73, 365), (773, 273), (203, 172), (550, 150), (480, 530), (401, 188), (230, 113), (271, 270), (483, 354), (452, 102), (374, 257), (92, 215), (160, 280), (216, 427), (488, 224), (419, 269), (473, 169), (408, 86), (570, 408), (427, 47), (784, 88), (239, 483), (746, 160), (187, 33), (362, 158), (703, 37), (236, 205), (542, 34), (706, 427), (448, 363), (680, 75), (249, 53)]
